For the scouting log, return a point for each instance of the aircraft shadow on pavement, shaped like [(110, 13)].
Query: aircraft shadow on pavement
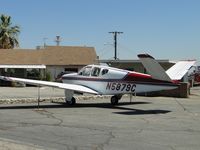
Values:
[(122, 110), (142, 112), (64, 105)]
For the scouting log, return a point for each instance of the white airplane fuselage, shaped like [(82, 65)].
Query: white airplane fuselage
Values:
[(112, 81)]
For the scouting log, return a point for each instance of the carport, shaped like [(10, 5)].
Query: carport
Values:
[(22, 71)]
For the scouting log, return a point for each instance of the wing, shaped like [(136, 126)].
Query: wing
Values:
[(66, 86), (177, 71)]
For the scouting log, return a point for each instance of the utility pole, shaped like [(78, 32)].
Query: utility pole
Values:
[(44, 39), (115, 42), (58, 40)]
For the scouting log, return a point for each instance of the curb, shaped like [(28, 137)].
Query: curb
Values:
[(48, 99)]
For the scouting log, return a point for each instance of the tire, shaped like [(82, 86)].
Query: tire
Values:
[(114, 100), (72, 102)]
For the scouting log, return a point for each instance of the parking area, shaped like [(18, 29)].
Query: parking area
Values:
[(29, 92), (148, 123)]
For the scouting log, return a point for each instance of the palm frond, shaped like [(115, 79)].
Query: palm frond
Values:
[(8, 33)]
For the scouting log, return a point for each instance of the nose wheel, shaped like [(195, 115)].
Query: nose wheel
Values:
[(71, 102)]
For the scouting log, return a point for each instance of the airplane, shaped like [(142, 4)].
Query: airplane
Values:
[(104, 80)]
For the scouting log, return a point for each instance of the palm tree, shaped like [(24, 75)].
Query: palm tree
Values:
[(8, 33)]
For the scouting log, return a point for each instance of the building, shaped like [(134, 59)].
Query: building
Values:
[(135, 65), (51, 59)]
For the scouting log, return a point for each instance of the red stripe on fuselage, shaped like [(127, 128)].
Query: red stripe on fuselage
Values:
[(139, 77)]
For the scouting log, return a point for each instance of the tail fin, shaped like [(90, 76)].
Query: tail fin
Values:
[(153, 67), (177, 71)]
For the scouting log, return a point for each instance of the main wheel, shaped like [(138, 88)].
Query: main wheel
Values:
[(114, 100), (72, 102)]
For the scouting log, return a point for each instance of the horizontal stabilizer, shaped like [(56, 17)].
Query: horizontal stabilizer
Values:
[(177, 71), (153, 67)]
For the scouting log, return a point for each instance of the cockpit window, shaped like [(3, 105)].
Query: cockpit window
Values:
[(104, 71), (85, 71), (95, 71)]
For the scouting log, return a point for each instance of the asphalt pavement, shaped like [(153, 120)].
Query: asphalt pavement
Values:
[(148, 123)]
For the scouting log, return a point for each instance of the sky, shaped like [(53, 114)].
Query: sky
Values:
[(165, 29)]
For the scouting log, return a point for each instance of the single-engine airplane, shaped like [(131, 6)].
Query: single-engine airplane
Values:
[(104, 80)]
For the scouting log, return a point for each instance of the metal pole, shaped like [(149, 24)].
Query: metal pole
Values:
[(131, 96), (115, 44), (38, 97)]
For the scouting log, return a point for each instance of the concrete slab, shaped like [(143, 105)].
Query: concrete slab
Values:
[(149, 123)]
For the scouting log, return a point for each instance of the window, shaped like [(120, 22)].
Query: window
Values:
[(95, 71), (104, 71)]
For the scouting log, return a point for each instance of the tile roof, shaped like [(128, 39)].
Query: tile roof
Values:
[(50, 55)]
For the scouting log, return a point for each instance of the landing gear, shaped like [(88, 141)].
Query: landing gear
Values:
[(115, 99), (71, 102)]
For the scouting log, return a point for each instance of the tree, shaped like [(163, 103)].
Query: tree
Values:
[(8, 33)]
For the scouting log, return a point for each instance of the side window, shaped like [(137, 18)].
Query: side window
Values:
[(104, 71), (96, 71)]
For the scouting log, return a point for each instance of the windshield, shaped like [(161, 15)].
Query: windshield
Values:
[(85, 71)]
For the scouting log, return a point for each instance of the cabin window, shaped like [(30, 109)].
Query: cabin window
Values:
[(104, 71), (96, 71)]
